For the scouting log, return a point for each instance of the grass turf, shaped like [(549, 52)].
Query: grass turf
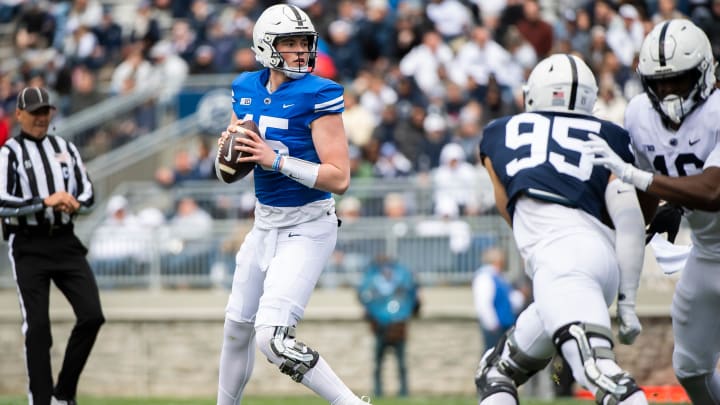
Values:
[(21, 400)]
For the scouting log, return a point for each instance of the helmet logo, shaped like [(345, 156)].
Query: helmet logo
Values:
[(558, 98)]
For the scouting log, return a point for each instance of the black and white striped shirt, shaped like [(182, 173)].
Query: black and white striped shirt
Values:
[(33, 169)]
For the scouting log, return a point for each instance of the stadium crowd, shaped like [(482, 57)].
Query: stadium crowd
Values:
[(418, 74)]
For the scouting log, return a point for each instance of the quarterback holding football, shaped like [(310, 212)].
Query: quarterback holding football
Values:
[(300, 156)]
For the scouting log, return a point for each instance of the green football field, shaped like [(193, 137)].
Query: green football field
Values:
[(15, 400)]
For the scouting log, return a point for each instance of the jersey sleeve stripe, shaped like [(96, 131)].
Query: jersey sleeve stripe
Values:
[(322, 106)]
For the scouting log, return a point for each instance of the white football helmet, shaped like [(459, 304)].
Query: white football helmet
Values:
[(676, 52), (561, 82), (278, 21)]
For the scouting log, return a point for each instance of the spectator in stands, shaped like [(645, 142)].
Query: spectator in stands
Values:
[(535, 29), (169, 71), (109, 36), (666, 10), (359, 122), (81, 45), (409, 134), (375, 94), (708, 18), (376, 32), (145, 28), (120, 246), (133, 73), (408, 35), (468, 131), (446, 222), (455, 180), (497, 303), (185, 168), (429, 62), (4, 126), (344, 49), (184, 39), (84, 89), (389, 294), (203, 63), (244, 60), (88, 13), (35, 27), (610, 104), (201, 16), (495, 105), (435, 137), (451, 19), (480, 57), (190, 249)]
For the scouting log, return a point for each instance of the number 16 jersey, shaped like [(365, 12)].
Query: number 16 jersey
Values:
[(694, 147), (540, 155)]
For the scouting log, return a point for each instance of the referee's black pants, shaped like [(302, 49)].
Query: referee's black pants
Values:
[(36, 260)]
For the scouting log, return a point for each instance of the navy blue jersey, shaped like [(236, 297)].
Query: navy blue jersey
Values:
[(284, 119), (540, 155)]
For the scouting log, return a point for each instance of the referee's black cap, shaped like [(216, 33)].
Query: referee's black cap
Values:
[(33, 98)]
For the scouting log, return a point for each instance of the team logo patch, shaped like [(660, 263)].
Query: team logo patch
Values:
[(245, 101), (558, 98)]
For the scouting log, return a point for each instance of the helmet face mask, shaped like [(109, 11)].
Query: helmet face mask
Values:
[(676, 68), (277, 23), (562, 83)]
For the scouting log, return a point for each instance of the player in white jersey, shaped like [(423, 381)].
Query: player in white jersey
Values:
[(301, 157), (558, 204), (675, 131)]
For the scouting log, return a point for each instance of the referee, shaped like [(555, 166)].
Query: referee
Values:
[(43, 186)]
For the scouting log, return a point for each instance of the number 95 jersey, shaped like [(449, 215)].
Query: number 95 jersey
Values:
[(540, 154), (283, 118)]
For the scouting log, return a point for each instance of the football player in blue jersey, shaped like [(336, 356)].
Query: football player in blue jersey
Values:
[(562, 211), (301, 157)]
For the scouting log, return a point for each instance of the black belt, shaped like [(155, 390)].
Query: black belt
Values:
[(40, 230)]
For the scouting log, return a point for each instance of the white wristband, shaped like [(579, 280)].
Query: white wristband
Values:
[(302, 171), (638, 178)]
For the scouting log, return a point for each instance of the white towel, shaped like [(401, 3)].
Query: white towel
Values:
[(670, 257)]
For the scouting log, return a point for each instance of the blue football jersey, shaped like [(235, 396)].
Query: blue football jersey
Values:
[(284, 119), (540, 155)]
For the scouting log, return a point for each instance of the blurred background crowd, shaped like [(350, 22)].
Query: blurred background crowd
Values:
[(419, 74), (421, 78)]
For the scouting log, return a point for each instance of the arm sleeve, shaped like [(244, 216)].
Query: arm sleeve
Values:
[(624, 210), (85, 194), (10, 204)]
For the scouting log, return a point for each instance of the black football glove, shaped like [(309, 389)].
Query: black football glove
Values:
[(666, 219)]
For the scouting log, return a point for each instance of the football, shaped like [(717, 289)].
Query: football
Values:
[(227, 168)]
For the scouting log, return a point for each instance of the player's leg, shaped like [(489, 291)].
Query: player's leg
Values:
[(77, 283), (573, 293), (237, 356), (519, 354), (697, 336), (380, 349), (301, 255), (399, 348), (33, 283)]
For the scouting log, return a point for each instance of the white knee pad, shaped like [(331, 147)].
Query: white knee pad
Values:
[(597, 362), (293, 358)]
